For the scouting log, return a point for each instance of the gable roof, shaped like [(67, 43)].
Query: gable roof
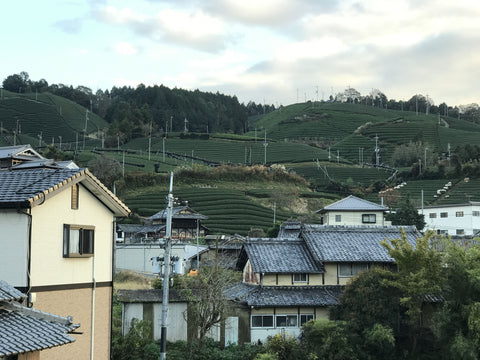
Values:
[(273, 257), (27, 188), (24, 152), (353, 203), (330, 243), (24, 329), (179, 212), (290, 230)]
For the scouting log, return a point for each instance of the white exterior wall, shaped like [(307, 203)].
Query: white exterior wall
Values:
[(176, 324), (14, 247), (353, 218), (138, 258), (48, 266), (453, 224)]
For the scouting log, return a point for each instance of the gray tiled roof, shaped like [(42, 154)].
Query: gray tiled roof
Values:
[(330, 243), (353, 203), (23, 332), (148, 295), (24, 329), (281, 257), (269, 296), (289, 230), (140, 229), (162, 215), (18, 186), (9, 293)]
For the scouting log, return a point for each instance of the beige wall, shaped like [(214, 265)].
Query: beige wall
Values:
[(286, 280), (78, 303), (48, 267), (352, 217)]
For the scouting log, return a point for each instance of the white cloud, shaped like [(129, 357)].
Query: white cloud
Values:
[(125, 48)]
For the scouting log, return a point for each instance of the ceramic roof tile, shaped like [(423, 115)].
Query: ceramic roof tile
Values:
[(330, 243), (178, 214), (18, 186), (268, 296), (9, 293), (281, 257)]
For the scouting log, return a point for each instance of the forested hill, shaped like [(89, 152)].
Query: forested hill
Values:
[(138, 112)]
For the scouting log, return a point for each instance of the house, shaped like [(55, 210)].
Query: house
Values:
[(287, 282), (57, 247), (25, 157), (353, 211), (453, 219), (186, 222), (25, 331)]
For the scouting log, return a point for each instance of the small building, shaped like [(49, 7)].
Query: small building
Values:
[(186, 222), (353, 211), (453, 219)]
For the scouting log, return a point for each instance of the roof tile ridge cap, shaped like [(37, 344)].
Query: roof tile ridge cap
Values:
[(41, 315)]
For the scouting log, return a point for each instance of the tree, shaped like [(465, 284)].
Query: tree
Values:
[(106, 169), (420, 273), (407, 214), (207, 304)]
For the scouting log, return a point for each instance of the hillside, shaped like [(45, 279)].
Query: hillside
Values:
[(327, 144)]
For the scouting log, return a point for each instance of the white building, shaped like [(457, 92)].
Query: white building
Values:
[(453, 219)]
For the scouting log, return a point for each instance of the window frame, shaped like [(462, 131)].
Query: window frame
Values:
[(355, 269), (304, 318), (288, 319), (365, 218), (296, 281), (86, 241), (432, 215), (338, 218), (263, 322), (444, 215), (458, 213)]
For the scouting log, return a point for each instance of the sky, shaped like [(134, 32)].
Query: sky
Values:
[(268, 51)]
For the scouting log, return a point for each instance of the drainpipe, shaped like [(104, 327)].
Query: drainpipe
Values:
[(29, 259), (92, 333)]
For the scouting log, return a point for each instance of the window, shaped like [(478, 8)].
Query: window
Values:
[(262, 320), (369, 218), (305, 318), (78, 241), (443, 215), (351, 269), (74, 201), (476, 213), (286, 321), (459, 214), (460, 232), (300, 278), (338, 218), (441, 232), (432, 215)]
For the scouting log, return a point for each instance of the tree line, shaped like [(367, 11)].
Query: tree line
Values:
[(141, 111)]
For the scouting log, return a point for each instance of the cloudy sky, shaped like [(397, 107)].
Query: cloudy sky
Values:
[(272, 51)]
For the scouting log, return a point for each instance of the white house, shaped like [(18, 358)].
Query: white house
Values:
[(453, 219)]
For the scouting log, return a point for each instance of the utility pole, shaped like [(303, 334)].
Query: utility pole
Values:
[(265, 144), (166, 274), (149, 140), (377, 152)]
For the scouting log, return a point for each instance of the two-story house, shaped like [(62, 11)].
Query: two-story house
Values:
[(57, 247), (287, 282), (353, 211), (453, 219), (186, 222)]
